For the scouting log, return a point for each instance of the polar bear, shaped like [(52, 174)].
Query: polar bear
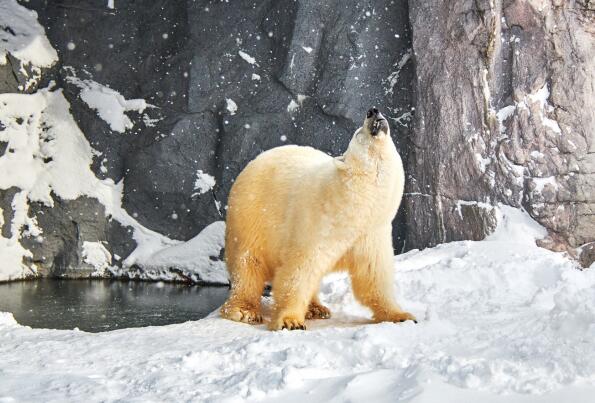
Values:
[(295, 214)]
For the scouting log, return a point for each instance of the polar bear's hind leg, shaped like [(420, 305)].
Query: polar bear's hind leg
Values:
[(316, 310), (247, 284)]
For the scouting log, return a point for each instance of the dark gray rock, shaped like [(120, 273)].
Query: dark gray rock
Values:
[(6, 197), (57, 252), (332, 62), (159, 184)]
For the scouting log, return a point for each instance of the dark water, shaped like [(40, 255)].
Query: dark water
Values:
[(102, 305)]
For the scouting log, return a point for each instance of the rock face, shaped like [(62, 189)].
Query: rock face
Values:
[(489, 102), (504, 113)]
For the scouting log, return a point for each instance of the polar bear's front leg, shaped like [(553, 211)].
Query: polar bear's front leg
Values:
[(371, 269), (294, 286)]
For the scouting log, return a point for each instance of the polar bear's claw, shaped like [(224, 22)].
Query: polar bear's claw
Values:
[(402, 317), (240, 314), (288, 323)]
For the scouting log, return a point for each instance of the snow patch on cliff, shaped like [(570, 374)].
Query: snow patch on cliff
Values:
[(231, 106), (95, 254), (393, 77), (540, 97), (109, 104), (23, 37), (197, 260), (247, 58), (204, 182)]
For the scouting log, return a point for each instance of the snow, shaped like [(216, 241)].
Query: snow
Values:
[(541, 97), (11, 251), (95, 254), (247, 57), (301, 98), (204, 182), (293, 106), (255, 77), (482, 162), (231, 106), (500, 320), (109, 104), (504, 114), (23, 37), (540, 183), (307, 49), (393, 78), (461, 203), (197, 258)]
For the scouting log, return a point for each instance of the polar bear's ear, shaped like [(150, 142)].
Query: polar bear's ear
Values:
[(340, 162)]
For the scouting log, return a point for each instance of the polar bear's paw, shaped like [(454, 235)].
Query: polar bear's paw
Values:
[(242, 313), (318, 311), (398, 317), (289, 322)]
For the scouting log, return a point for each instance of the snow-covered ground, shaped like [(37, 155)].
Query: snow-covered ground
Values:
[(500, 320)]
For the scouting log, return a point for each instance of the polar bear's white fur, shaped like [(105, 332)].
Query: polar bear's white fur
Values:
[(295, 214)]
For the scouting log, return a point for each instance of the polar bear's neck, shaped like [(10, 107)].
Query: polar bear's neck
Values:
[(372, 178), (369, 156)]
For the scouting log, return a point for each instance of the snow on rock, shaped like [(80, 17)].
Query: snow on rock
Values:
[(231, 106), (541, 97), (541, 183), (500, 320), (515, 226), (23, 37), (109, 104), (293, 106), (95, 254), (504, 114), (393, 78), (197, 258), (461, 203), (204, 182), (47, 154), (247, 57)]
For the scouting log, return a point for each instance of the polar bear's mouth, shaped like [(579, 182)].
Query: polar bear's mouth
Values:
[(376, 122), (379, 125)]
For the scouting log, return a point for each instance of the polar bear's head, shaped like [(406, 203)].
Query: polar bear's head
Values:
[(374, 133), (371, 143), (375, 124)]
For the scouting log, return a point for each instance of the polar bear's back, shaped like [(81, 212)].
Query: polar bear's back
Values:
[(283, 166), (265, 194)]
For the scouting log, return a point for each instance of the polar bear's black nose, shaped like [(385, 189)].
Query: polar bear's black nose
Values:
[(372, 112)]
